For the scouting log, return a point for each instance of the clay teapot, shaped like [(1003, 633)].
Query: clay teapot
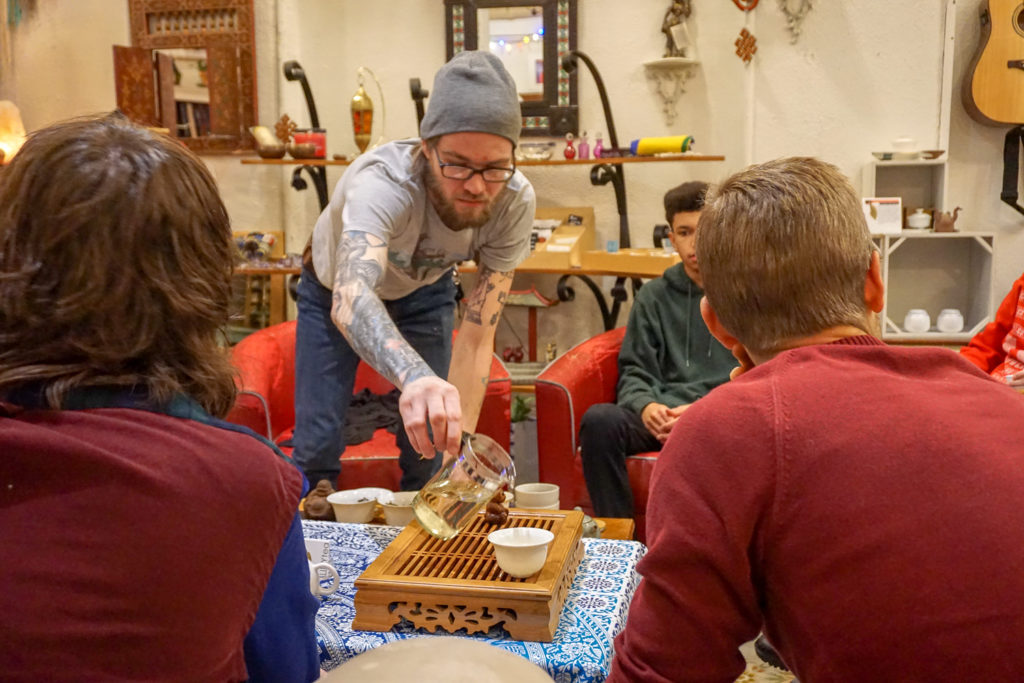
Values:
[(944, 222)]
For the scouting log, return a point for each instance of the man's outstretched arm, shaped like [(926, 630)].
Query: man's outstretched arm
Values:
[(364, 322)]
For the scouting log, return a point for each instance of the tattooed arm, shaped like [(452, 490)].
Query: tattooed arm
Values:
[(364, 322), (471, 355)]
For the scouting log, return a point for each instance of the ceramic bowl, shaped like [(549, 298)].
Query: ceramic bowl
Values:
[(270, 151), (355, 505), (882, 156), (905, 144), (521, 551), (536, 151), (398, 512), (537, 496), (932, 153), (302, 150)]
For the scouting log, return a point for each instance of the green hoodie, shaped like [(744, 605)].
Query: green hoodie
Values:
[(668, 356)]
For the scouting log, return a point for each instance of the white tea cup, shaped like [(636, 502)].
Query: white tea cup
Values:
[(315, 587), (538, 496)]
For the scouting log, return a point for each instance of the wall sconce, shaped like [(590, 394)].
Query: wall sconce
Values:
[(12, 131), (362, 112)]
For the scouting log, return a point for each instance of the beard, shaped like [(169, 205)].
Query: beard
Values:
[(447, 211)]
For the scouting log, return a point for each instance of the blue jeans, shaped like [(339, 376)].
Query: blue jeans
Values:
[(325, 373)]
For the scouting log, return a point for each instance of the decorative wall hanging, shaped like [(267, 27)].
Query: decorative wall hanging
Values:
[(745, 5), (746, 46), (362, 112), (795, 15)]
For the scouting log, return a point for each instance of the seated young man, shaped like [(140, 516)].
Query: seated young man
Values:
[(668, 360), (999, 348), (143, 538), (860, 502)]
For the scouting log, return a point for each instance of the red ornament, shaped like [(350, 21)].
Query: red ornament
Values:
[(745, 5), (746, 46)]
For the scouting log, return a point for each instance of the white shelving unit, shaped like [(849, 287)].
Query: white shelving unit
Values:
[(933, 271), (925, 269)]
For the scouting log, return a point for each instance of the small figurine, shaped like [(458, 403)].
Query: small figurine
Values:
[(569, 152), (583, 148), (598, 146), (550, 352), (673, 26)]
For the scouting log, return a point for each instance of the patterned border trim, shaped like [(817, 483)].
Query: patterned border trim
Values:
[(458, 28), (563, 49)]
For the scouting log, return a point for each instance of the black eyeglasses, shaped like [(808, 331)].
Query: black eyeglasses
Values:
[(491, 174)]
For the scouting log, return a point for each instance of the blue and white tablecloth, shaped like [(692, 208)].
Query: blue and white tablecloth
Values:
[(594, 611)]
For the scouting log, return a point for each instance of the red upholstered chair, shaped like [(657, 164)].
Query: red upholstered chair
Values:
[(584, 375), (266, 366)]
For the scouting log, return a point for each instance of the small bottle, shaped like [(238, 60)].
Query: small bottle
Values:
[(583, 148), (569, 152), (598, 146)]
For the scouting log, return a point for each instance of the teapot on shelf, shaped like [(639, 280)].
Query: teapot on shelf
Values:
[(944, 222)]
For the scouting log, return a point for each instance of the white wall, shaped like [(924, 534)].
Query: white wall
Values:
[(862, 73)]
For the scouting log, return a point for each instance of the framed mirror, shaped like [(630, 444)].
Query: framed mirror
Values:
[(191, 70), (529, 36)]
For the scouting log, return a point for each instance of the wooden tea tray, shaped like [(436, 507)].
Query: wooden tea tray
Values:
[(456, 584)]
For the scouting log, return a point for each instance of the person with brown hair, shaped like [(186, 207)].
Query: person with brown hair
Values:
[(142, 536), (836, 491), (668, 361)]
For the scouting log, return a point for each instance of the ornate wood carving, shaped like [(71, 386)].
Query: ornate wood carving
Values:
[(134, 86), (224, 28)]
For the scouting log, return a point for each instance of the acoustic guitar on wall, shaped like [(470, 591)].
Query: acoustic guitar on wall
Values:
[(993, 93)]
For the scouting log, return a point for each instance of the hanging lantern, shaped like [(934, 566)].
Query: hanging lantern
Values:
[(362, 117)]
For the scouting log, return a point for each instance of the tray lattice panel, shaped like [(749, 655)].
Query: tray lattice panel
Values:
[(469, 555)]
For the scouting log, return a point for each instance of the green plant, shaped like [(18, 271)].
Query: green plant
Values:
[(522, 408)]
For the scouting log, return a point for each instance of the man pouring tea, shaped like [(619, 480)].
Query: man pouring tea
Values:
[(377, 276)]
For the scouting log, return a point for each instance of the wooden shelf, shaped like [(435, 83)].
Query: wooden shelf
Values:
[(523, 162)]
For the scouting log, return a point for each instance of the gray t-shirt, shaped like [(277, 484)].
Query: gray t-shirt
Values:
[(384, 193)]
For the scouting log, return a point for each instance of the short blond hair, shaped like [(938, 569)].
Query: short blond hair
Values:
[(783, 249)]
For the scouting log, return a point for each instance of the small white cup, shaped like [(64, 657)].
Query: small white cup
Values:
[(904, 144), (521, 551), (950, 320), (917, 321), (315, 587), (537, 496)]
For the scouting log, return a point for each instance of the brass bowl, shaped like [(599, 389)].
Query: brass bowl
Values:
[(302, 150), (270, 151)]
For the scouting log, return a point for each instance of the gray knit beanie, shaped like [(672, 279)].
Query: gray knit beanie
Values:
[(473, 93)]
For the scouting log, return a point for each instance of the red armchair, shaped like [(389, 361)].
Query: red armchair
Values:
[(586, 374), (266, 364)]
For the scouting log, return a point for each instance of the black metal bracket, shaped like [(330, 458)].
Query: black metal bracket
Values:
[(318, 174), (609, 315)]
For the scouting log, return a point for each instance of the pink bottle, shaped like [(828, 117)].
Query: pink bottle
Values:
[(583, 148), (598, 146)]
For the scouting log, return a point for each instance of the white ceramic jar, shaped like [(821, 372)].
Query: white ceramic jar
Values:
[(950, 320), (919, 220), (917, 321)]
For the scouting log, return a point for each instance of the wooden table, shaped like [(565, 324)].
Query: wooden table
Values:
[(618, 528)]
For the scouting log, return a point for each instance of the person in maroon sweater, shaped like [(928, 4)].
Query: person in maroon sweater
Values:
[(141, 538), (860, 503)]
